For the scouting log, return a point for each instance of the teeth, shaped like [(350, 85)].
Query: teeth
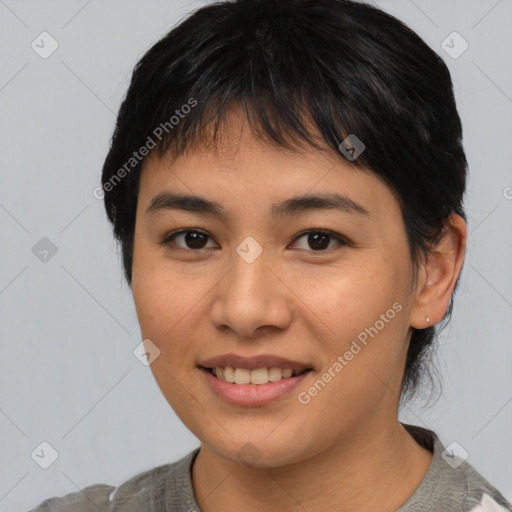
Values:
[(229, 374), (258, 376), (242, 376), (275, 374)]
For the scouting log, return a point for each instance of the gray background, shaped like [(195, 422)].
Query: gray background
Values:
[(68, 375)]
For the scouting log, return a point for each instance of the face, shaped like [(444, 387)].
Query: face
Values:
[(325, 287)]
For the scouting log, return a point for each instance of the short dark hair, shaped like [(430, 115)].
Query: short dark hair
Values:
[(307, 73)]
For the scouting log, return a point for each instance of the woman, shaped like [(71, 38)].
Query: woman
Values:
[(286, 180)]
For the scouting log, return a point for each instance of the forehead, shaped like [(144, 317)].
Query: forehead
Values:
[(242, 169)]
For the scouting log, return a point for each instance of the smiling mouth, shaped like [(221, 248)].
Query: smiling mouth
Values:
[(259, 376)]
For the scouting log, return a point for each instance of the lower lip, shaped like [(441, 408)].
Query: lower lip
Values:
[(252, 394)]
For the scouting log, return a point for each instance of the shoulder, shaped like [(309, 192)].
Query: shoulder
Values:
[(471, 489), (150, 487), (451, 483), (88, 499)]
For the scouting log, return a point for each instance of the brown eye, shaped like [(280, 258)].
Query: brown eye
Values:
[(192, 239), (319, 240)]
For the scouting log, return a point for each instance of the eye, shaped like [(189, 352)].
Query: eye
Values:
[(192, 238), (319, 239)]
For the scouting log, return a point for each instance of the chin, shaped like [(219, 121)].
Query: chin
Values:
[(256, 452)]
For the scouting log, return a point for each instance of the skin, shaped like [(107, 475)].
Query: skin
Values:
[(345, 450)]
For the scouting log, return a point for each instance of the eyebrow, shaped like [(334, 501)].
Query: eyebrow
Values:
[(291, 206)]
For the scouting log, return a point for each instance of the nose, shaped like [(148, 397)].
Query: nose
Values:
[(252, 298)]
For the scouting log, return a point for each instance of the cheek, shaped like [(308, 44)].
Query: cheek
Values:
[(154, 295), (365, 311), (352, 300), (152, 289), (168, 305), (164, 305)]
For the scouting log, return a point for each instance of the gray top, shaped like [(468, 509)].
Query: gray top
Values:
[(449, 485)]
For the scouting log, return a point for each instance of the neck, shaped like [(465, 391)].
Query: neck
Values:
[(374, 470)]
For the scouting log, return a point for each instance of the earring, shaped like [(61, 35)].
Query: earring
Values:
[(428, 319)]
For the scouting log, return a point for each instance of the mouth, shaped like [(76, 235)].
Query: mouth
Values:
[(253, 387), (253, 381), (257, 376)]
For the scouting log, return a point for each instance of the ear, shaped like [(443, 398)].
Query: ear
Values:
[(438, 274)]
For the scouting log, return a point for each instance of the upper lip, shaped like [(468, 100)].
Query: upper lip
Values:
[(252, 363)]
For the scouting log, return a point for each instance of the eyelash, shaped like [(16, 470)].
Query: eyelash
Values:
[(341, 240)]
